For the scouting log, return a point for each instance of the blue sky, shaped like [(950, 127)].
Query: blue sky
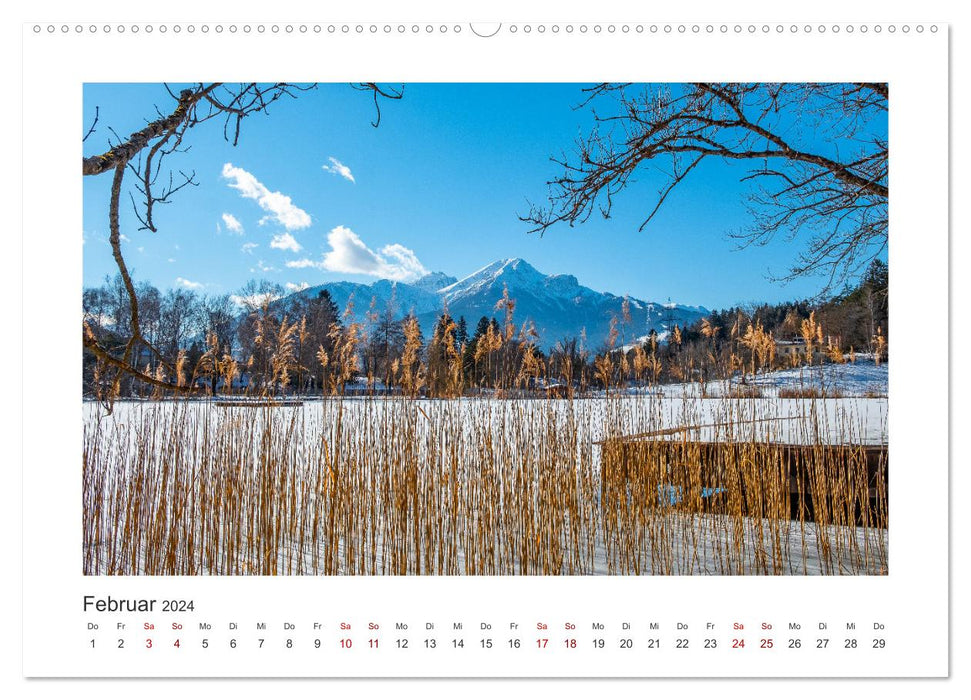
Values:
[(313, 191)]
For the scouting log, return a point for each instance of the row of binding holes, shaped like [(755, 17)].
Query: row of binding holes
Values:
[(713, 29), (257, 29), (456, 29)]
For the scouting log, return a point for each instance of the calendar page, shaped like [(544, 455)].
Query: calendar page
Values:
[(429, 347)]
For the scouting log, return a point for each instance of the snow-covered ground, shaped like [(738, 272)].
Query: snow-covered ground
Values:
[(846, 420), (862, 378)]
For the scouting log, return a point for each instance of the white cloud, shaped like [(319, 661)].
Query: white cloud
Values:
[(348, 253), (188, 284), (284, 241), (232, 224), (171, 260), (263, 267), (401, 263), (304, 262), (338, 168), (124, 238), (299, 287), (249, 247), (278, 206)]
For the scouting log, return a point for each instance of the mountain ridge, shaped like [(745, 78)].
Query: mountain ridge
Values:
[(558, 305)]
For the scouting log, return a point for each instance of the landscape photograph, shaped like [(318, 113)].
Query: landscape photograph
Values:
[(485, 329)]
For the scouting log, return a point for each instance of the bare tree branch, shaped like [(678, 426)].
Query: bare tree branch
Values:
[(128, 149), (377, 91), (841, 203), (91, 343), (93, 124)]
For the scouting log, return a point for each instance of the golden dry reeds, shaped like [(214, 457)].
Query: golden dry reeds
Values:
[(407, 486)]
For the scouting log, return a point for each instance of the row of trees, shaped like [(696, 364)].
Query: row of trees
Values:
[(259, 343)]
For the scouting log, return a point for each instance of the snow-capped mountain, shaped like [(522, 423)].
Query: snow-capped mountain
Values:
[(434, 281), (558, 305), (419, 297)]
